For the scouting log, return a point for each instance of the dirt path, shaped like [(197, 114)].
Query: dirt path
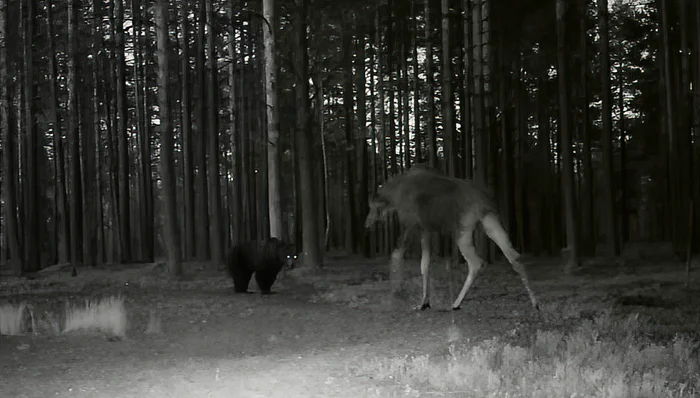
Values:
[(312, 339)]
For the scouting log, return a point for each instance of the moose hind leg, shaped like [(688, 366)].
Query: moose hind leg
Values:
[(425, 269), (465, 241), (494, 229)]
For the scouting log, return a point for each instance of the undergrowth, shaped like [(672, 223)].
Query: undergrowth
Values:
[(607, 356)]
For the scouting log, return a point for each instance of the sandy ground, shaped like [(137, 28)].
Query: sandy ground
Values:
[(313, 338)]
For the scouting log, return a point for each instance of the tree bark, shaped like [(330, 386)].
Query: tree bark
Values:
[(608, 172), (122, 134), (171, 230), (430, 90), (202, 206), (73, 135), (349, 139), (361, 144), (589, 225), (566, 142), (312, 255), (187, 144), (273, 155), (9, 160), (213, 141), (60, 209), (32, 239), (416, 86), (447, 100)]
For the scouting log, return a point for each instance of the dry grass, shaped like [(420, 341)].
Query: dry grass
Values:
[(603, 357), (107, 315), (13, 318)]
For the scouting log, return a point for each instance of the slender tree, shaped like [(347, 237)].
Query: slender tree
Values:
[(349, 130), (9, 145), (200, 159), (122, 133), (566, 141), (447, 100), (310, 233), (32, 246), (60, 209), (608, 173), (273, 131), (213, 139), (171, 229), (186, 125), (430, 90), (73, 135)]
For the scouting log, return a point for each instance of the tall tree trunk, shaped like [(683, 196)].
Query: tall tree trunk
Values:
[(144, 136), (171, 230), (624, 219), (122, 134), (608, 172), (310, 234), (405, 107), (73, 135), (361, 142), (430, 90), (234, 114), (213, 140), (589, 226), (273, 128), (187, 145), (447, 100), (566, 142), (60, 209), (202, 206), (416, 86), (467, 62), (349, 140), (9, 159), (32, 239), (96, 146)]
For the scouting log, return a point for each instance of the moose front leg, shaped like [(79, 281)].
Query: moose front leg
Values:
[(425, 269)]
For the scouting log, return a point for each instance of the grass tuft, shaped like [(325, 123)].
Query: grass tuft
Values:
[(13, 318), (602, 357), (107, 315)]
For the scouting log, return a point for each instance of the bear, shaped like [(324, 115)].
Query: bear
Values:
[(264, 259)]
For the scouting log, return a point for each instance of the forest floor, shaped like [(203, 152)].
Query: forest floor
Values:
[(337, 332)]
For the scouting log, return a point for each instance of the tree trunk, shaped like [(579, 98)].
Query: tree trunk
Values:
[(144, 137), (32, 239), (171, 232), (430, 90), (349, 133), (447, 100), (122, 134), (467, 62), (416, 86), (214, 180), (361, 142), (73, 137), (60, 209), (589, 225), (608, 172), (566, 142), (273, 132), (201, 207), (9, 147), (187, 144), (310, 234)]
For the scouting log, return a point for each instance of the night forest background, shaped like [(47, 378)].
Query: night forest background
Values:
[(135, 130)]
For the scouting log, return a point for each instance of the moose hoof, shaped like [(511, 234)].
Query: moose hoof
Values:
[(457, 308), (422, 307)]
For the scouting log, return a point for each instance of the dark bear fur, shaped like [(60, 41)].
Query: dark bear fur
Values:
[(264, 259)]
